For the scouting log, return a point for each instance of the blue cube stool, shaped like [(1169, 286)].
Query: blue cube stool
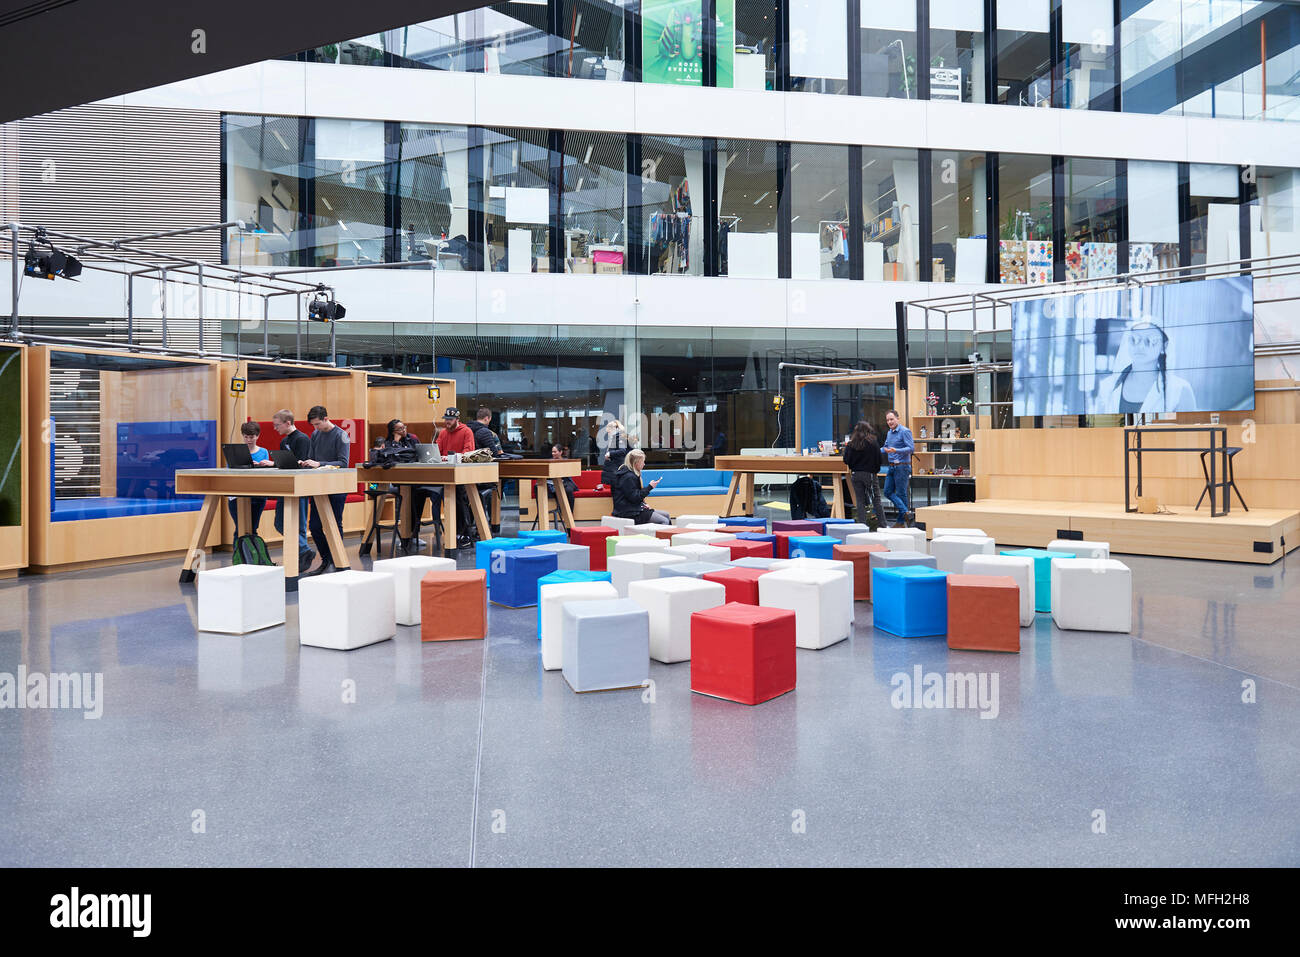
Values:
[(1042, 572), (514, 575), (743, 521), (691, 569), (813, 546), (606, 644), (910, 601), (757, 537), (483, 552), (560, 577), (538, 536)]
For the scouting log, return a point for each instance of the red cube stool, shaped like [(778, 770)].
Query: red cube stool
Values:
[(742, 652), (741, 584), (783, 541), (983, 613), (860, 556), (739, 548), (453, 605), (593, 536)]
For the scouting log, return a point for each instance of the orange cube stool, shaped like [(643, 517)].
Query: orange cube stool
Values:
[(741, 584), (737, 529), (739, 548), (453, 605), (668, 531), (983, 613), (593, 536), (860, 556)]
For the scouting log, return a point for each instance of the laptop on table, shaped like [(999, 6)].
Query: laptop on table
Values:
[(237, 456)]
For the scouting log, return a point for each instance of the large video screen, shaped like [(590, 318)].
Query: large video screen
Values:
[(1179, 347)]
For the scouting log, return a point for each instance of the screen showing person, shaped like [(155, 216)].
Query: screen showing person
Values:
[(1179, 347)]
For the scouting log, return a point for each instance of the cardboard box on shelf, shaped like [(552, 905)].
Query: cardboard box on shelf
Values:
[(609, 269), (580, 264)]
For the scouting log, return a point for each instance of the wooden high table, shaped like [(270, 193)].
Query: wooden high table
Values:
[(743, 468), (448, 476), (289, 484), (539, 470)]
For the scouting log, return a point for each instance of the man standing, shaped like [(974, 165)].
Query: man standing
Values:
[(485, 438), (329, 446), (898, 447), (295, 442), (457, 437)]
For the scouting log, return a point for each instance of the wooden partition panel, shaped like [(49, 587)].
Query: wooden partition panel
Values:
[(15, 442)]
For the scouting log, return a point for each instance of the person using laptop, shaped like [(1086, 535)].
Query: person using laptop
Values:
[(456, 437), (249, 432), (399, 437), (329, 446), (299, 447)]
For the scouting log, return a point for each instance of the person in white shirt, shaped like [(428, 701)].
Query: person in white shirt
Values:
[(1142, 382)]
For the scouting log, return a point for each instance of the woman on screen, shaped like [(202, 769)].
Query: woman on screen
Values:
[(1142, 382)]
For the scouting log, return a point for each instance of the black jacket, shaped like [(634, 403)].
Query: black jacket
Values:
[(865, 459), (629, 495), (613, 460), (297, 443), (485, 438)]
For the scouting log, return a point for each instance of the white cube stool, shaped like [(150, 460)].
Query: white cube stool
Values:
[(625, 569), (550, 612), (837, 567), (646, 529), (891, 540), (917, 535), (609, 521), (670, 602), (697, 553), (767, 564), (241, 598), (1092, 594), (407, 573), (346, 610), (699, 538), (709, 520), (843, 530), (701, 527), (1015, 566), (957, 532), (568, 557), (632, 544), (1080, 548), (820, 616), (950, 551), (606, 644)]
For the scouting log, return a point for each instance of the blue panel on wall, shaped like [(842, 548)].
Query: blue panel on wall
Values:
[(149, 453), (815, 421)]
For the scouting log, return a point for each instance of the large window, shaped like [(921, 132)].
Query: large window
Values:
[(351, 183), (754, 60), (957, 51), (958, 217), (1025, 249), (1092, 218), (672, 205), (1086, 70), (1213, 219), (891, 214), (1275, 218), (819, 46), (517, 201), (433, 172), (594, 205), (819, 211), (1024, 53), (747, 226), (592, 43), (887, 46), (1152, 216), (265, 180)]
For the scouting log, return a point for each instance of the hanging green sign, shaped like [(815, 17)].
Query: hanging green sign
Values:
[(672, 41)]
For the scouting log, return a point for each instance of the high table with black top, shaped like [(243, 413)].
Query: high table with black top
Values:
[(449, 476), (539, 470), (1216, 477), (289, 484)]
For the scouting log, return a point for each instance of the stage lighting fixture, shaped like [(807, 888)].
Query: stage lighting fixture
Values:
[(323, 308), (47, 265)]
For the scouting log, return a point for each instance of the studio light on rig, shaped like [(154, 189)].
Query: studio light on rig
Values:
[(323, 308), (50, 262)]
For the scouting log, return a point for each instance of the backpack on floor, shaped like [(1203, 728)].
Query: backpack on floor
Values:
[(251, 550), (806, 499)]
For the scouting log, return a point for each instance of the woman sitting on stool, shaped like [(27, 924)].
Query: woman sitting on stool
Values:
[(629, 495)]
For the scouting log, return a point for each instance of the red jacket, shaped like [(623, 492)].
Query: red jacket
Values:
[(459, 439)]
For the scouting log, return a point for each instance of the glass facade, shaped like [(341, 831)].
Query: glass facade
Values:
[(748, 190), (959, 216), (1229, 58)]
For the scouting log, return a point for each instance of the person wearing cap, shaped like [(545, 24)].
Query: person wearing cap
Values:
[(1142, 382), (456, 437)]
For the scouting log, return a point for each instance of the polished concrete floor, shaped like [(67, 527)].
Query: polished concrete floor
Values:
[(241, 750)]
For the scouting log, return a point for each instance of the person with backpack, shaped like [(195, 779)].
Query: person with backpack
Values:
[(862, 456), (250, 432)]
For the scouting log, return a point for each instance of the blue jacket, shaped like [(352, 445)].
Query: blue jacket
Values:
[(899, 439)]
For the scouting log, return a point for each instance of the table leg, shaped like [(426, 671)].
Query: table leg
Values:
[(731, 494), (496, 505), (857, 506), (543, 506), (747, 506), (476, 506), (449, 534), (243, 515), (566, 513), (290, 557), (407, 523), (194, 555), (333, 534), (837, 500)]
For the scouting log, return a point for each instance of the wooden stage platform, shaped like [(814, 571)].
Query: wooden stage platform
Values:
[(1261, 535)]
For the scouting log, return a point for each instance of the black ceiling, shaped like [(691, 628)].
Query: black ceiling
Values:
[(58, 53)]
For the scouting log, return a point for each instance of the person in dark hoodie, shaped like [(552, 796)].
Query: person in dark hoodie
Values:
[(329, 446), (630, 494), (615, 445)]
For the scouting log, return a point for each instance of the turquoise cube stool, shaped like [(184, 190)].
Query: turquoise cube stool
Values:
[(910, 601), (1042, 573), (813, 546), (743, 521), (514, 575), (561, 577), (483, 552), (537, 536)]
